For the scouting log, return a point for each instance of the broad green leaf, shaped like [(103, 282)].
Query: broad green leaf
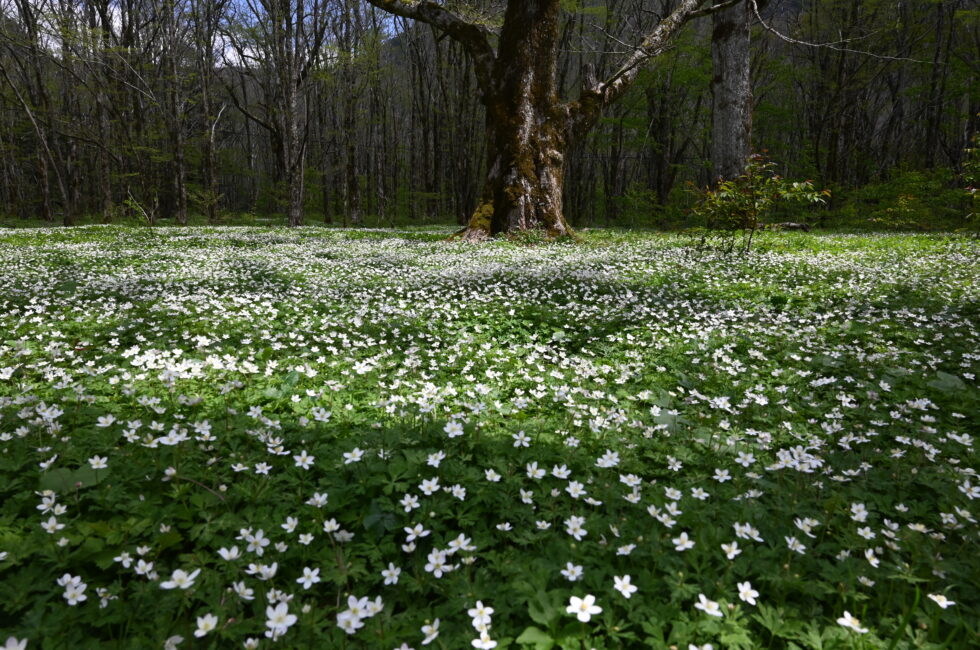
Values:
[(947, 383), (545, 607), (538, 637), (65, 480)]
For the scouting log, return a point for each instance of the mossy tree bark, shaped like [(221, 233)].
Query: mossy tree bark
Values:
[(526, 130), (529, 127)]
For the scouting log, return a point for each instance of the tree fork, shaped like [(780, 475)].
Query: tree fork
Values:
[(529, 128)]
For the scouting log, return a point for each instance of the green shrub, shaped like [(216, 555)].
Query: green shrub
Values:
[(908, 200), (737, 205), (971, 176)]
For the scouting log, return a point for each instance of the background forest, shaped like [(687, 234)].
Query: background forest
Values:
[(217, 109)]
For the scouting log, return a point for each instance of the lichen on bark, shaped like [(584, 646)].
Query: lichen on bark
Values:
[(526, 128)]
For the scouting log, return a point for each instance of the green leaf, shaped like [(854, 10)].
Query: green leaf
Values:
[(545, 607), (378, 521), (737, 640), (64, 479), (570, 635), (290, 381), (776, 622), (947, 383), (533, 635), (168, 539)]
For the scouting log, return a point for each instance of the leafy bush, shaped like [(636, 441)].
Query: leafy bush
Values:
[(738, 204), (971, 176), (906, 201)]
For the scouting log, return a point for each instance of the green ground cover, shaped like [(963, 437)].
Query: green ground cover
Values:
[(309, 438)]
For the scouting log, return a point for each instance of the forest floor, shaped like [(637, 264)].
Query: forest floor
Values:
[(378, 439)]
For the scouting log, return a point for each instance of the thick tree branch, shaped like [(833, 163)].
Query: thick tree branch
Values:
[(596, 96), (471, 36)]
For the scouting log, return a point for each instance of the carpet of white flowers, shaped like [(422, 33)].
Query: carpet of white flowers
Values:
[(244, 437)]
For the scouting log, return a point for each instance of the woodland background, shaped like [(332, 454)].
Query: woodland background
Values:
[(177, 110)]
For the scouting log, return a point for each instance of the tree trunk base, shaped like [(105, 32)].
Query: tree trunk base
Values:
[(471, 235), (483, 227), (476, 235)]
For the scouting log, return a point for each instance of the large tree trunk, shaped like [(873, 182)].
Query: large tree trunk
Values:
[(293, 154), (295, 168), (527, 132), (731, 89), (529, 128), (523, 187)]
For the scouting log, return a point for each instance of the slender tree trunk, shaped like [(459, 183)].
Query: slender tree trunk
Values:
[(210, 167), (7, 170), (352, 183), (177, 130), (179, 168), (105, 175), (71, 158), (325, 196), (353, 194), (207, 15), (613, 186), (325, 175), (731, 88), (253, 173), (323, 153), (339, 169), (103, 45), (45, 185), (74, 185)]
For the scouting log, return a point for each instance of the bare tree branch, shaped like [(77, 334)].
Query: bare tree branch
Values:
[(836, 45), (470, 35)]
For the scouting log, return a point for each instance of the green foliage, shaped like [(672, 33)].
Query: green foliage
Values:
[(145, 213), (739, 204), (906, 201), (971, 176), (904, 212), (639, 204), (594, 10), (813, 374), (202, 198)]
